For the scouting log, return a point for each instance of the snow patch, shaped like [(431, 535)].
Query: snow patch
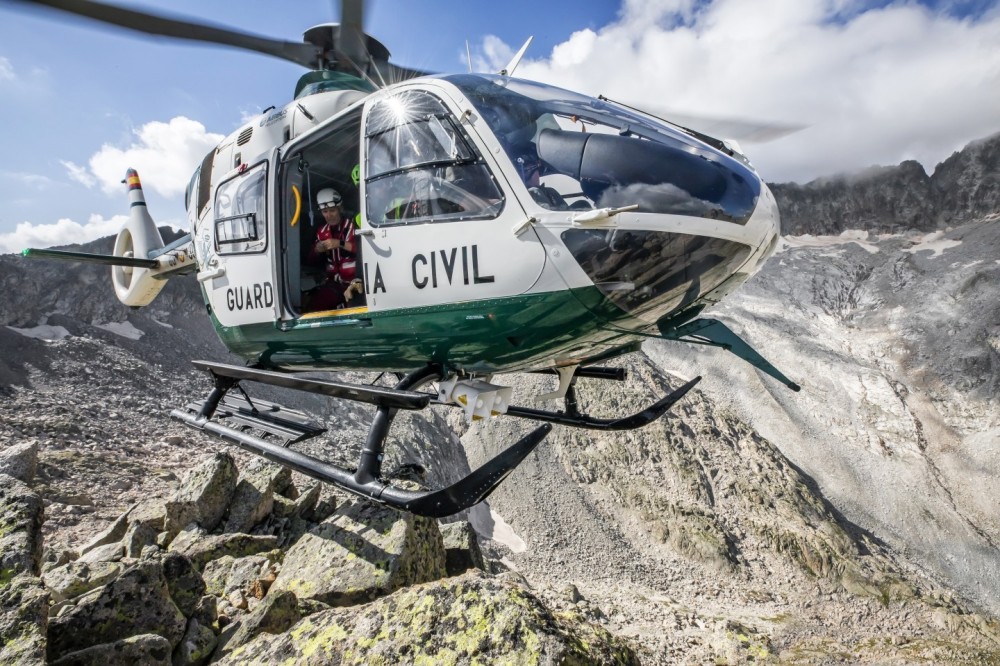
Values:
[(488, 524), (44, 332), (932, 242), (856, 236), (122, 328)]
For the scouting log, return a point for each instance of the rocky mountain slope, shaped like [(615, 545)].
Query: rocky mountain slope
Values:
[(963, 188), (850, 522)]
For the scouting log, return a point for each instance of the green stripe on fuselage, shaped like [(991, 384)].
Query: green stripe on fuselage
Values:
[(478, 336)]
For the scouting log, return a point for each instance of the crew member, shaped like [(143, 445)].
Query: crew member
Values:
[(336, 248)]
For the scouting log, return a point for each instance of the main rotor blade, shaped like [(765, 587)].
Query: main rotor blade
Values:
[(306, 55), (352, 30)]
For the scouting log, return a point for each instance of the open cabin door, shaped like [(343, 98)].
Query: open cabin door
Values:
[(439, 224)]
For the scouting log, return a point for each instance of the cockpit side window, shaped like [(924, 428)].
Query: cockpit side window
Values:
[(241, 213), (421, 167)]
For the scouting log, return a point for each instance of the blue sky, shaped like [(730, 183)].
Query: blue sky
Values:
[(875, 83)]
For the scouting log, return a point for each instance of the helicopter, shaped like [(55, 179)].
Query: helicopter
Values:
[(501, 226)]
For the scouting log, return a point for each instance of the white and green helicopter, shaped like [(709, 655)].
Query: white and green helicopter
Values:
[(505, 226)]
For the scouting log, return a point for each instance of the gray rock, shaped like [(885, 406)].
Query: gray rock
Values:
[(206, 549), (461, 548), (362, 552), (196, 647), (138, 536), (111, 552), (137, 602), (216, 572), (21, 516), (150, 512), (20, 461), (145, 649), (204, 495), (276, 614), (111, 534), (24, 606), (185, 584), (482, 619), (254, 494), (76, 578)]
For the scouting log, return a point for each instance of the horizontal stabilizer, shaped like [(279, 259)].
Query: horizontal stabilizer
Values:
[(108, 259), (716, 334)]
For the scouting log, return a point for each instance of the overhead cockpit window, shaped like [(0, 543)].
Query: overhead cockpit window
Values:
[(240, 213), (577, 152), (420, 165)]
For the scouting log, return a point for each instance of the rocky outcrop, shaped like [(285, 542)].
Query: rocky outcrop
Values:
[(362, 552), (207, 594), (963, 188), (473, 618)]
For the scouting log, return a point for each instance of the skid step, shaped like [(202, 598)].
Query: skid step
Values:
[(462, 494), (288, 425), (374, 395)]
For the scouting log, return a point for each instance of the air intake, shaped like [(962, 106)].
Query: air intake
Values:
[(244, 136)]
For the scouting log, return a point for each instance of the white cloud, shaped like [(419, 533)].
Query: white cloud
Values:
[(874, 86), (23, 178), (164, 154), (6, 70), (63, 232), (79, 173)]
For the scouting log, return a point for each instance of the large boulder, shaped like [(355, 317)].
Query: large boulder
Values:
[(113, 533), (461, 548), (73, 579), (145, 649), (20, 461), (203, 549), (363, 551), (24, 611), (467, 619), (184, 583), (21, 517), (254, 495), (196, 647), (137, 602), (204, 495)]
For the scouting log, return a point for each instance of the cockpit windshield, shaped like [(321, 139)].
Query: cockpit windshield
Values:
[(577, 152)]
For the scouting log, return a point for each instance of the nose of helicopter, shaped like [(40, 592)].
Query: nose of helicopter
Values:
[(652, 265)]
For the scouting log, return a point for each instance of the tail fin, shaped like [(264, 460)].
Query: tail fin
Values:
[(136, 286)]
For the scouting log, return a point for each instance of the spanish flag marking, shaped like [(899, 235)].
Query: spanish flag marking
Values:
[(133, 183)]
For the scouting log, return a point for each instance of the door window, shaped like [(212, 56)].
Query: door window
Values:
[(241, 213)]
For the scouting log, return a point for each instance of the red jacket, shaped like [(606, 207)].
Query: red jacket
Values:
[(340, 263)]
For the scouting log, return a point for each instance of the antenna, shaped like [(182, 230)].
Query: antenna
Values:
[(512, 65), (468, 55)]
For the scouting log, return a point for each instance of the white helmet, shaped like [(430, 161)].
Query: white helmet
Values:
[(327, 198)]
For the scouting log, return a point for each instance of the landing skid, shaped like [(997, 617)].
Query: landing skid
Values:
[(244, 415)]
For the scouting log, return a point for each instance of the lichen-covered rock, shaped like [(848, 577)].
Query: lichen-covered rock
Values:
[(185, 584), (24, 612), (137, 602), (20, 461), (145, 649), (204, 495), (362, 552), (21, 516), (73, 579), (204, 550), (254, 494), (467, 619), (278, 612), (461, 548), (196, 648)]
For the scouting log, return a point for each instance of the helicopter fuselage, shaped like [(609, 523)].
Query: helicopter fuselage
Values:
[(503, 225)]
